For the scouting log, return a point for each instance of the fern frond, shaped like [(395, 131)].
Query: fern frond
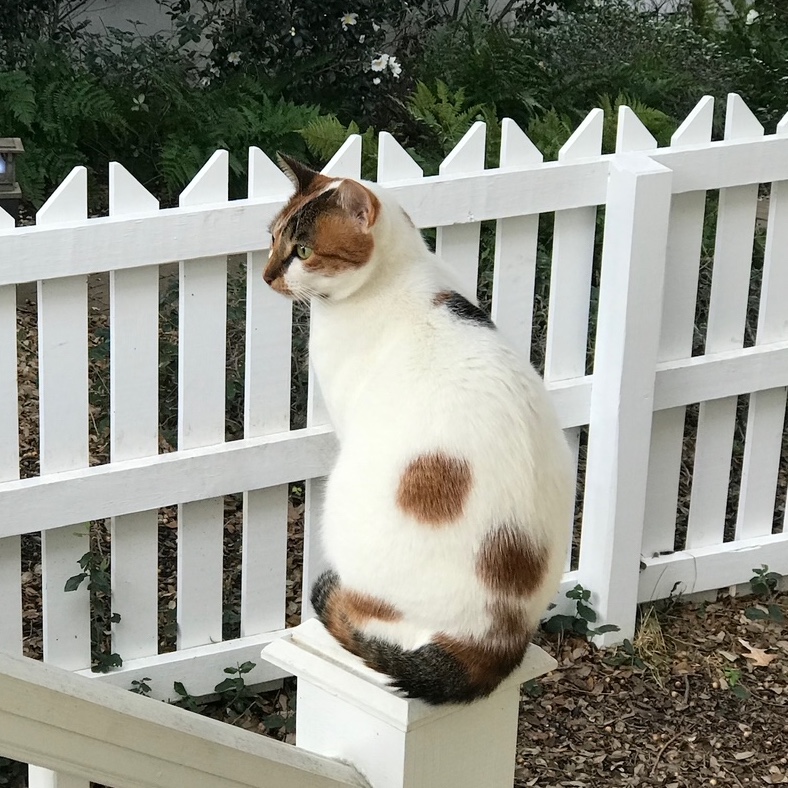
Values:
[(17, 96)]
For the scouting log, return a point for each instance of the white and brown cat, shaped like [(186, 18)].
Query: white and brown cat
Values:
[(447, 513)]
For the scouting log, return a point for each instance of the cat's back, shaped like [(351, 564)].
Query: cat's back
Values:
[(445, 373), (445, 388)]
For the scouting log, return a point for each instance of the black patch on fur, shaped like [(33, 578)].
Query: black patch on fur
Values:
[(321, 591), (461, 307), (429, 673)]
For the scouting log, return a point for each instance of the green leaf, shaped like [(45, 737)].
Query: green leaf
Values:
[(628, 647), (73, 583), (756, 614), (585, 612), (575, 593), (231, 670), (776, 614), (246, 667), (580, 626), (606, 628), (559, 623), (180, 689), (228, 685), (740, 692)]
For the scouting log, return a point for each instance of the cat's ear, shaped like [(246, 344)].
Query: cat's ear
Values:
[(358, 201), (301, 176)]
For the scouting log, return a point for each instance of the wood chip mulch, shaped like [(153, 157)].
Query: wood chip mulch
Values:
[(667, 713)]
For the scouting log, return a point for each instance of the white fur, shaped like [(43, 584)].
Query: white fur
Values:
[(402, 377)]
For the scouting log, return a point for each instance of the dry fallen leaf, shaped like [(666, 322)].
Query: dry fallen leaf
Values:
[(758, 656)]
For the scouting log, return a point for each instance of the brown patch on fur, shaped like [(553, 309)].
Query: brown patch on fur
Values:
[(439, 299), (510, 563), (339, 246), (433, 488), (489, 660), (319, 184), (348, 611)]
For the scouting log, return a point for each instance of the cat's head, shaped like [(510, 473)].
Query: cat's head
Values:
[(322, 241)]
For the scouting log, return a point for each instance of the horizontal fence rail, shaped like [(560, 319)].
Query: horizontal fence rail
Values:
[(55, 719)]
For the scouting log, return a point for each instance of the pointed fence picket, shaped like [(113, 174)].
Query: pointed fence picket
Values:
[(459, 244), (202, 317), (766, 414), (725, 331), (10, 547), (574, 233), (682, 263), (134, 427), (516, 238), (634, 404), (63, 404), (269, 327), (345, 163)]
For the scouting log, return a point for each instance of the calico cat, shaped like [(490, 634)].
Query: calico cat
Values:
[(447, 513)]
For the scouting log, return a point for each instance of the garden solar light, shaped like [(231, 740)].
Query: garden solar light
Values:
[(10, 193)]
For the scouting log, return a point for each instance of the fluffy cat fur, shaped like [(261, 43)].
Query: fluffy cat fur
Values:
[(447, 513)]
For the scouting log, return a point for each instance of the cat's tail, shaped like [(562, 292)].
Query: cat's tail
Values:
[(446, 670)]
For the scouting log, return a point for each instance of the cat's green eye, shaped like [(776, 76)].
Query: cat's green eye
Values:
[(303, 252)]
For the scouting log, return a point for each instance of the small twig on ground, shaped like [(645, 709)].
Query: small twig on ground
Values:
[(662, 750)]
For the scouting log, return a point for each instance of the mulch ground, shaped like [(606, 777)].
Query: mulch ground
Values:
[(700, 697)]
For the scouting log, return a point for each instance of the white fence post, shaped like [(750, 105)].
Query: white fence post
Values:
[(627, 335), (346, 712)]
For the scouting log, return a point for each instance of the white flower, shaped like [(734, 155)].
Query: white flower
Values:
[(215, 71), (348, 19), (361, 39), (376, 81), (234, 58), (379, 63), (395, 66), (292, 31), (752, 15), (205, 81), (375, 27)]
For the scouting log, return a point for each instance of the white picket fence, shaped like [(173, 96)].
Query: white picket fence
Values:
[(634, 403)]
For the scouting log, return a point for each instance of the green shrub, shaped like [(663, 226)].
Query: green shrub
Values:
[(310, 52), (493, 66), (753, 35), (661, 60)]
